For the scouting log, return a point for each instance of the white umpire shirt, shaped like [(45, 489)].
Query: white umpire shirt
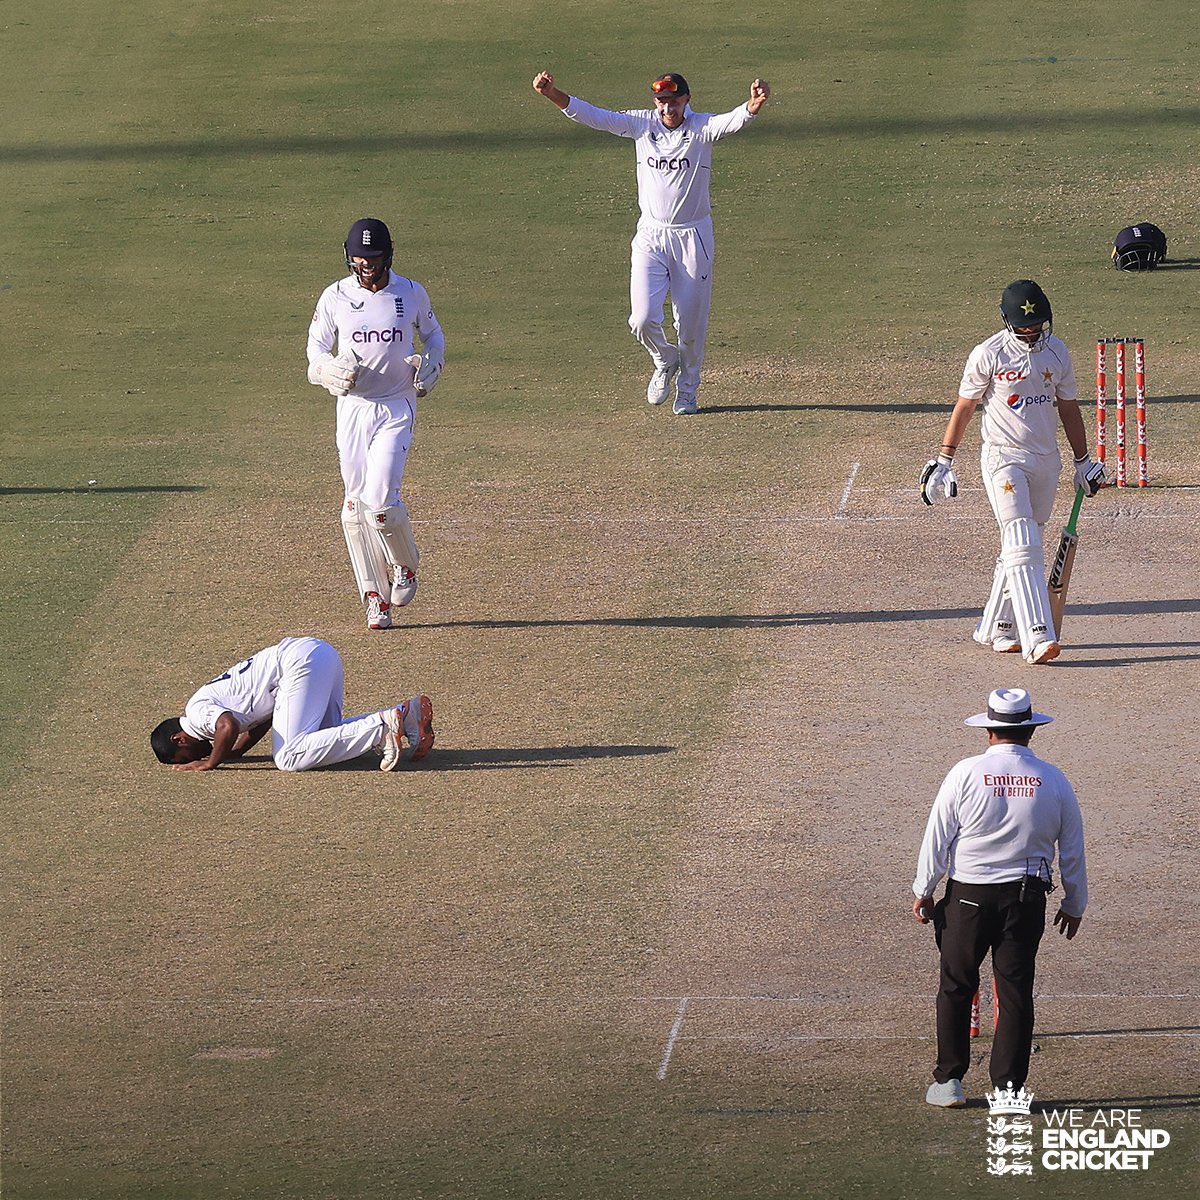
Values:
[(378, 327), (996, 818), (673, 165), (246, 691), (1020, 390)]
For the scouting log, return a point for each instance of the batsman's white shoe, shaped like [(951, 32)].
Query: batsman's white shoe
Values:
[(946, 1095), (404, 587), (981, 637), (659, 387), (392, 746), (379, 612), (1006, 645), (412, 721), (418, 726), (685, 406), (1043, 652)]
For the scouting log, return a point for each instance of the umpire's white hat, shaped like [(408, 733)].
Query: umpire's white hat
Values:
[(1009, 708)]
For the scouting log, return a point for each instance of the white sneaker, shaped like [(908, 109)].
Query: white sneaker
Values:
[(379, 612), (412, 721), (1043, 652), (659, 386), (685, 406), (404, 587), (946, 1095), (1006, 645), (393, 723)]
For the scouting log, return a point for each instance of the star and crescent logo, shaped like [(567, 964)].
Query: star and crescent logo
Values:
[(1029, 308)]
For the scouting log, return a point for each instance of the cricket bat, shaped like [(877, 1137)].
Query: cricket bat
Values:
[(1064, 560)]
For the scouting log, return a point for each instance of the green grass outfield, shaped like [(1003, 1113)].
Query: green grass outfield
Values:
[(460, 982)]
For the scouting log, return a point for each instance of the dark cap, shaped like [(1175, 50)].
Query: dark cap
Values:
[(1024, 305), (368, 237), (671, 84)]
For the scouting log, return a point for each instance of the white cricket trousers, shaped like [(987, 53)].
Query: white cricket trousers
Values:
[(307, 727), (1020, 487), (676, 259), (373, 437)]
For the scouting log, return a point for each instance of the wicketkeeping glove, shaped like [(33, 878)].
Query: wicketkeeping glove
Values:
[(336, 375), (936, 476), (428, 372), (1089, 475)]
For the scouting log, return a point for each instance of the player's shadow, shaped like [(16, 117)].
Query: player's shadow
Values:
[(500, 758), (1174, 399), (785, 620), (1090, 1033), (802, 406), (139, 490), (1179, 264)]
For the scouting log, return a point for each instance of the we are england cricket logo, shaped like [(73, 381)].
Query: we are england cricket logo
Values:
[(1110, 1139)]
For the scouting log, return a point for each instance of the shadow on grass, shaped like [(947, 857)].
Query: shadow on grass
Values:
[(714, 409), (1091, 1033), (133, 490), (503, 758), (784, 620), (782, 130)]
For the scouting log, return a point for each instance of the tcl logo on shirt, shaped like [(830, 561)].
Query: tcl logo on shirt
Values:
[(1011, 376)]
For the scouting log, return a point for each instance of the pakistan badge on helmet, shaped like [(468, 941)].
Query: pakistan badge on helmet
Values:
[(1139, 247)]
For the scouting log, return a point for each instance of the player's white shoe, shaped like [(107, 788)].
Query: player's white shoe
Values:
[(1006, 645), (404, 587), (1043, 652), (412, 721), (379, 612), (659, 386), (946, 1095), (685, 406)]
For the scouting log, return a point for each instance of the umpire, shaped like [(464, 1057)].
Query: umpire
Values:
[(993, 830)]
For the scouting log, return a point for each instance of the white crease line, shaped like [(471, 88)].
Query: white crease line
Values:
[(671, 1040), (841, 508)]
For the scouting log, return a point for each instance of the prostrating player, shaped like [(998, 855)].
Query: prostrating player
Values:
[(295, 690), (372, 317), (1022, 374), (673, 248)]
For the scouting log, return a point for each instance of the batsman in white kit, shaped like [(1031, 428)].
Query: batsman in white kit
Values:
[(294, 689), (673, 248), (374, 317), (1026, 380)]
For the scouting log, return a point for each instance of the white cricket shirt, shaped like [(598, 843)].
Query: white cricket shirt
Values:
[(996, 817), (673, 165), (246, 691), (1020, 390), (378, 327)]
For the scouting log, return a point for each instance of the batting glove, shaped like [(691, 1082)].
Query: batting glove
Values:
[(936, 476), (1089, 475), (427, 371), (336, 375)]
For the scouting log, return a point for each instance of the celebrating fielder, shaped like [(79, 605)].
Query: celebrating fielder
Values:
[(377, 377), (1022, 374), (672, 250), (293, 689)]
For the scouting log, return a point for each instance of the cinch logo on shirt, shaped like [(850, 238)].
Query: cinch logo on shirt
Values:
[(669, 164), (377, 335)]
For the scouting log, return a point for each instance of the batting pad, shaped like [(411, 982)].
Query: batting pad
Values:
[(1024, 564), (366, 550), (395, 533)]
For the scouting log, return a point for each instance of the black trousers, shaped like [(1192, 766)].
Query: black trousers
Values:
[(970, 920)]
